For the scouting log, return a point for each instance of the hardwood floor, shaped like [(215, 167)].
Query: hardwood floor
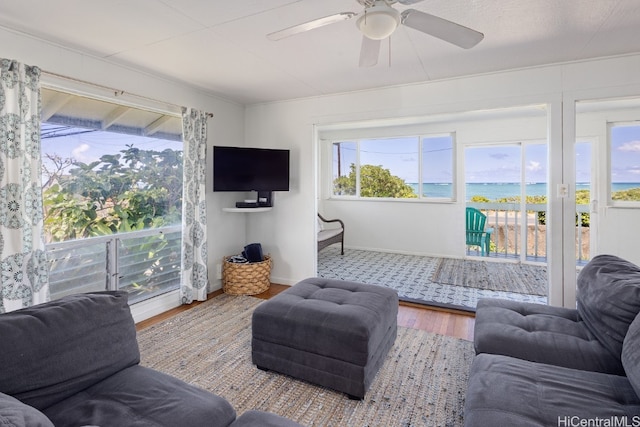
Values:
[(453, 323)]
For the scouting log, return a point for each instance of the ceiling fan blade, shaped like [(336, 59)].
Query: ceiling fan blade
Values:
[(369, 52), (448, 31), (316, 23), (409, 2)]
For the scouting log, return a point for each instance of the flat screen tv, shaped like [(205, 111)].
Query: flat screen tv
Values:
[(250, 169)]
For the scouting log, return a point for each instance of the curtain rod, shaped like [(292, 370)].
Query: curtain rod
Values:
[(116, 92)]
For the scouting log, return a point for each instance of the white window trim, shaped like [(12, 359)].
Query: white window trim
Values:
[(420, 199)]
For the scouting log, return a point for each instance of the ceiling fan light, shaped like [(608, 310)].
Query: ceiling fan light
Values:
[(378, 21)]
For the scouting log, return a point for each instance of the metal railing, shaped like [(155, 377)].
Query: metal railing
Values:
[(509, 240), (145, 263)]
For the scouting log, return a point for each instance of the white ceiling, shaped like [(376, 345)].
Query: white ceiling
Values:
[(221, 46)]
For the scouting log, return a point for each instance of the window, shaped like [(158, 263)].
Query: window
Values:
[(624, 166), (112, 189), (395, 168), (344, 167), (437, 166)]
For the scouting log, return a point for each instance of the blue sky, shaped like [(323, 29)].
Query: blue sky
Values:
[(90, 146), (501, 164), (485, 164), (625, 153), (400, 155), (493, 163)]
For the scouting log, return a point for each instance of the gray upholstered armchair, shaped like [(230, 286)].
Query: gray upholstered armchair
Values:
[(329, 236)]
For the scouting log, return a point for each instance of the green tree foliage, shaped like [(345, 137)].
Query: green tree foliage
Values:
[(68, 217), (583, 197), (124, 192), (632, 195), (480, 199), (530, 199), (375, 181)]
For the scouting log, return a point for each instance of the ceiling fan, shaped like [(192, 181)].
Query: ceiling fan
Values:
[(379, 20)]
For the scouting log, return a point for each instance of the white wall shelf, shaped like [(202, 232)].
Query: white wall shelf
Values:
[(246, 209)]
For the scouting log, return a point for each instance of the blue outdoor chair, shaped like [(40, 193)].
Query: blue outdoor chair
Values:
[(476, 233)]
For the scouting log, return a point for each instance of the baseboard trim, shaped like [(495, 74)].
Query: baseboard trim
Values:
[(153, 306)]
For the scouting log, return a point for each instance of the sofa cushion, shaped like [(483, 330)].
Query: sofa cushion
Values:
[(540, 333), (505, 391), (263, 419), (54, 350), (14, 413), (142, 397), (609, 299), (631, 354)]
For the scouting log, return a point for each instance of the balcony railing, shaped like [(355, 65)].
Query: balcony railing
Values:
[(145, 263), (508, 239)]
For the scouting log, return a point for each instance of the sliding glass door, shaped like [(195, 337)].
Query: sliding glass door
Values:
[(508, 183)]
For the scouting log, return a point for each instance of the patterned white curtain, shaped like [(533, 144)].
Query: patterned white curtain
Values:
[(24, 278), (194, 207)]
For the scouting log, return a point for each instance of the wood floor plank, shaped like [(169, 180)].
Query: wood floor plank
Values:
[(437, 320), (463, 327)]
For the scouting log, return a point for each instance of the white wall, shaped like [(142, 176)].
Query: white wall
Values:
[(226, 231), (290, 227)]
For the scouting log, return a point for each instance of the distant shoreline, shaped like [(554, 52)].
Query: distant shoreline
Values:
[(498, 190)]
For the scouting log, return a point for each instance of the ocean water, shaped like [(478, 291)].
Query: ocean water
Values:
[(498, 190)]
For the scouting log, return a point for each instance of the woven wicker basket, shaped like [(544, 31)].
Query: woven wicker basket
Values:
[(246, 279)]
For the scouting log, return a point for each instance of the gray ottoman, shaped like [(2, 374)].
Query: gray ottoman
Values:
[(329, 332)]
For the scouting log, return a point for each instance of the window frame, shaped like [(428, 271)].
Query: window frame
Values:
[(112, 275), (420, 151)]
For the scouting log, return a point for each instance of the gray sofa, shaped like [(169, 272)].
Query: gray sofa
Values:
[(538, 365), (75, 362)]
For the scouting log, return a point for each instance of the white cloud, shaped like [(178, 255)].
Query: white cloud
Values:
[(79, 153), (534, 166), (630, 146)]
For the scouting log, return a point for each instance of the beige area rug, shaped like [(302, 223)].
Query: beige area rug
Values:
[(422, 382), (495, 276)]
